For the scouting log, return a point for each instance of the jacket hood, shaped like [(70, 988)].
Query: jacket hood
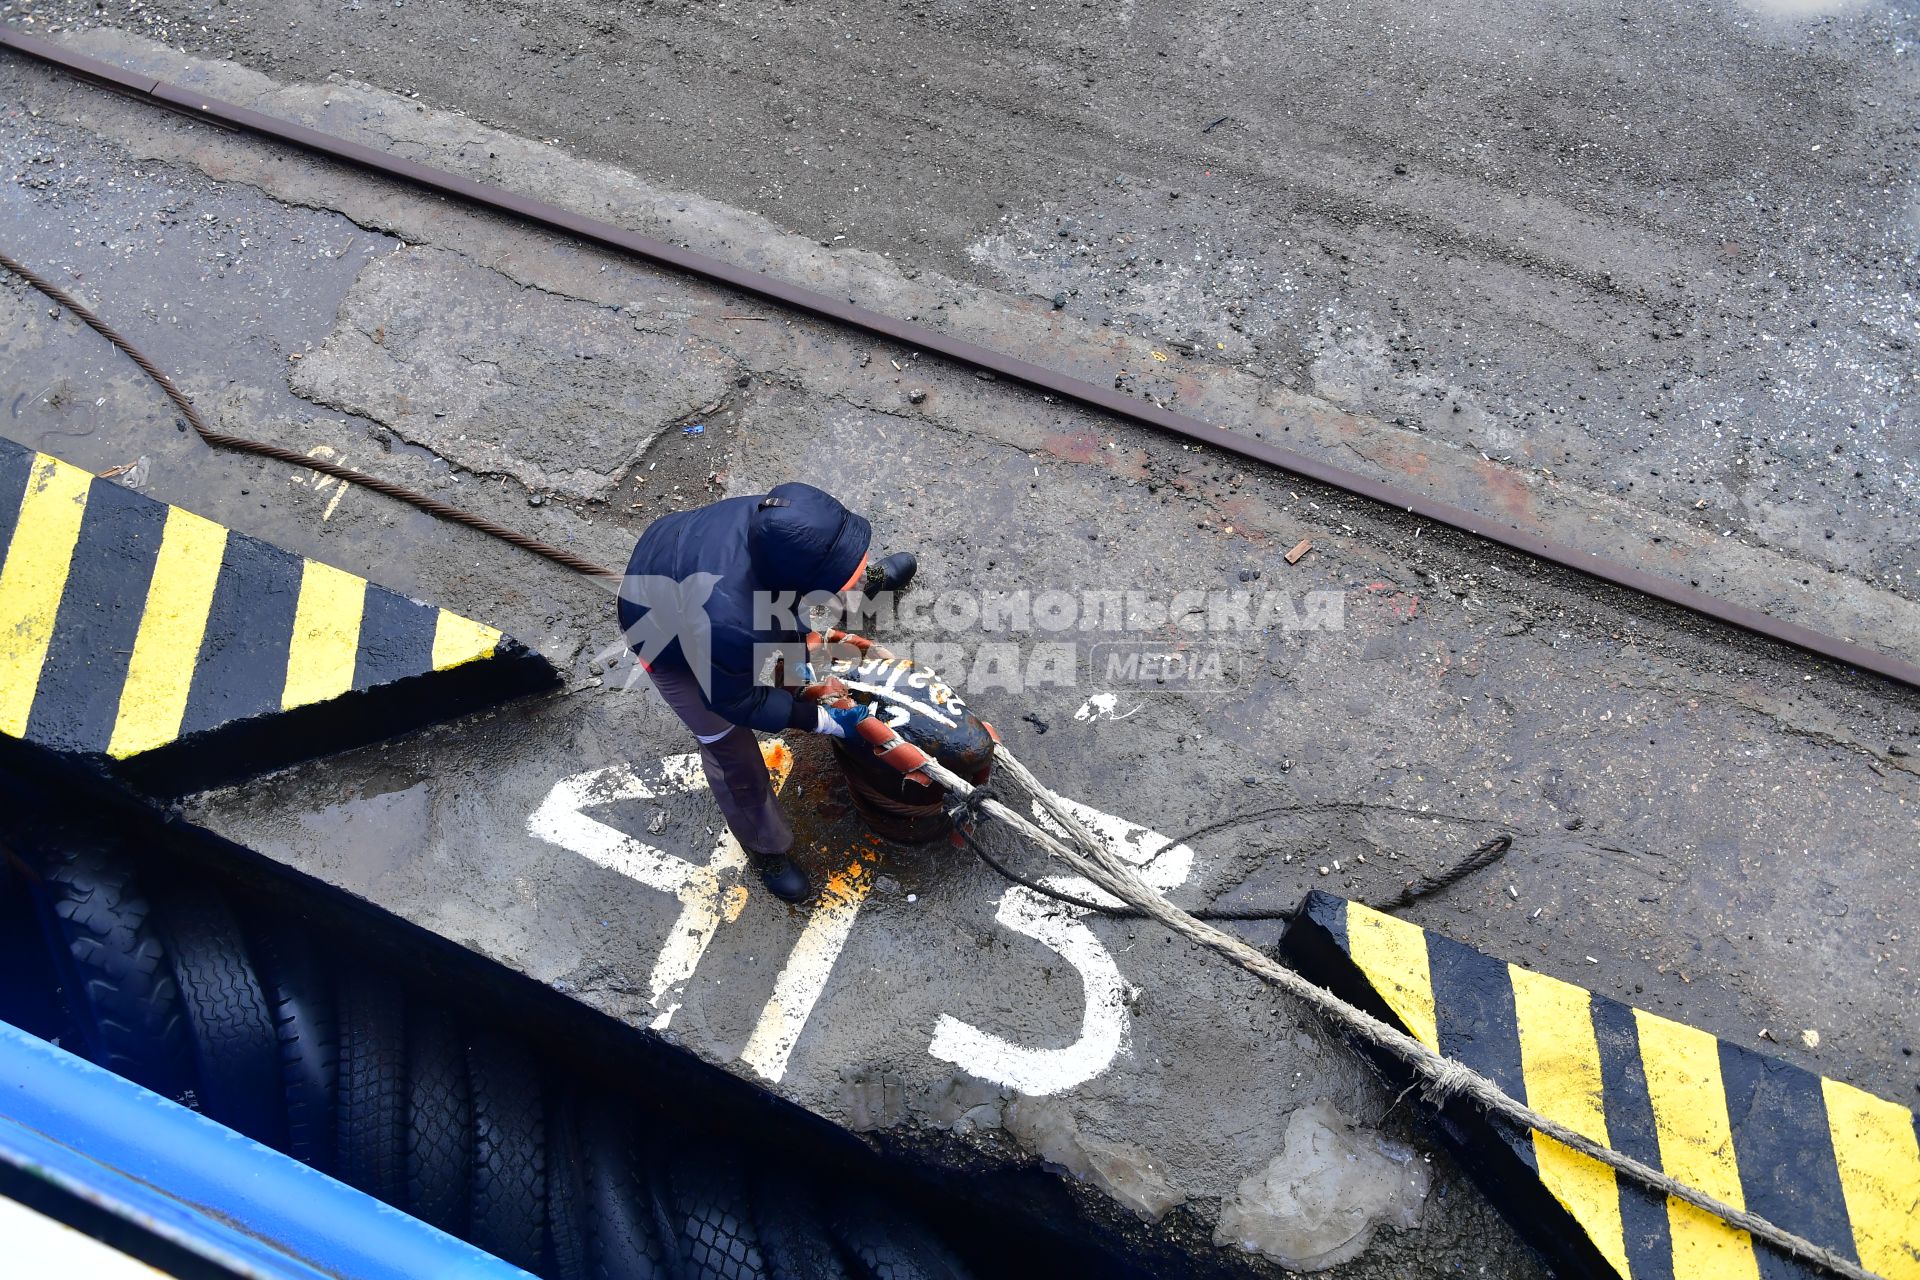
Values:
[(801, 539)]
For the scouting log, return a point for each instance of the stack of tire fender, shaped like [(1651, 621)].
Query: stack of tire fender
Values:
[(335, 1064)]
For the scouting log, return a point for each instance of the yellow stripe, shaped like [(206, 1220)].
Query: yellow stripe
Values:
[(1393, 955), (160, 672), (31, 580), (1561, 1060), (326, 635), (1879, 1161), (457, 640), (1682, 1066)]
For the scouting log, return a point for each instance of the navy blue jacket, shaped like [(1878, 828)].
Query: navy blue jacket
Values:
[(691, 584)]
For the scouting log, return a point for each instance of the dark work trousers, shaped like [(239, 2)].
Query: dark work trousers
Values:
[(735, 769)]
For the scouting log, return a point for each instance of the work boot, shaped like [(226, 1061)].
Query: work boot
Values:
[(892, 573), (783, 880)]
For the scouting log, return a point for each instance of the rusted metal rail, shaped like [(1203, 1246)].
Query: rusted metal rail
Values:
[(909, 333)]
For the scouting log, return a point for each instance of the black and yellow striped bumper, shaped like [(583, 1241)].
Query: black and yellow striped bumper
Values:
[(175, 652), (1819, 1157)]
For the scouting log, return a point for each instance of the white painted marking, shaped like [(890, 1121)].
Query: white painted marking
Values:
[(1103, 706), (710, 893), (804, 977), (926, 709), (320, 482), (1105, 1027), (713, 893)]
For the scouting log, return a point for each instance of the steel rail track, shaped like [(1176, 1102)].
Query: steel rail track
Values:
[(921, 337)]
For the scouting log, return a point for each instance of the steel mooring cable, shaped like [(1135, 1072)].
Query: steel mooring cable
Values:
[(1485, 855), (240, 444), (1444, 1078)]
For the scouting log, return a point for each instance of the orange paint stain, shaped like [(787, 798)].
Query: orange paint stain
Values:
[(851, 882), (1245, 515), (1396, 456), (779, 758), (1403, 605)]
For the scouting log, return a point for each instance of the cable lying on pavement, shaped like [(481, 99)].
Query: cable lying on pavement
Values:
[(757, 283), (1485, 855), (1087, 856), (240, 444), (1442, 1077)]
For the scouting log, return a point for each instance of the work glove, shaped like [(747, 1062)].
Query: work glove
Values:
[(831, 689), (839, 722)]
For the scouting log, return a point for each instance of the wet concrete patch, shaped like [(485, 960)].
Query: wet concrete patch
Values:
[(216, 284)]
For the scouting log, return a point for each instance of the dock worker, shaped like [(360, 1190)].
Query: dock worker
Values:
[(708, 595)]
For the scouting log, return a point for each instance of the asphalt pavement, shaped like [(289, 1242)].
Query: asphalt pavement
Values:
[(1707, 826), (1653, 262)]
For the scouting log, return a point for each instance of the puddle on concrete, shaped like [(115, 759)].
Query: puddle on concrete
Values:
[(373, 835)]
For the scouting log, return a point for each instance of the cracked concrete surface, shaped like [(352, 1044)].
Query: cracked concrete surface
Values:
[(1520, 464), (571, 427), (1707, 827)]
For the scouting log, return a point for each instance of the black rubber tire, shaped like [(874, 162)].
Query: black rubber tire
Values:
[(117, 986), (29, 985), (439, 1121), (623, 1242), (883, 1245), (794, 1239), (300, 999), (509, 1206), (370, 1150), (566, 1193), (234, 1045), (705, 1203)]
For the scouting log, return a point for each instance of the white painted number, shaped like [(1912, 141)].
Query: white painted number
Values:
[(804, 978), (1104, 1024), (713, 893)]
